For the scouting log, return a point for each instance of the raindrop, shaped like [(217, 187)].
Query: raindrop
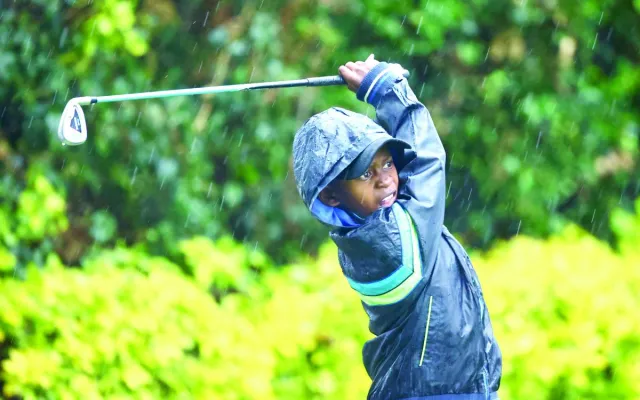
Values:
[(133, 178), (221, 202), (193, 144), (153, 150), (30, 122), (93, 27), (200, 69), (403, 19), (538, 141), (612, 107), (448, 190), (55, 94), (470, 191), (419, 25), (205, 19), (600, 225), (209, 191), (601, 15), (609, 34), (27, 45), (187, 221), (3, 111), (138, 120), (63, 37), (593, 216), (162, 183), (622, 194), (421, 89), (303, 240), (594, 41), (518, 230)]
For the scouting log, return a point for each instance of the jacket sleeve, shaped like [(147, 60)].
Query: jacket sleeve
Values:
[(401, 114)]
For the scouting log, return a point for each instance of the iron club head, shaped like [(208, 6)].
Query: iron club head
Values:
[(72, 129)]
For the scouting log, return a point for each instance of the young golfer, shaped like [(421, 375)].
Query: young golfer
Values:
[(381, 186)]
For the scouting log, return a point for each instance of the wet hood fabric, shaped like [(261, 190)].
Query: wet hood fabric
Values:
[(323, 147)]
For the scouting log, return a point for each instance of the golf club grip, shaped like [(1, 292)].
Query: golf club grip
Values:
[(335, 80)]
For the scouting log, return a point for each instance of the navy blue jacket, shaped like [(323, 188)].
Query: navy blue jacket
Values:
[(433, 335)]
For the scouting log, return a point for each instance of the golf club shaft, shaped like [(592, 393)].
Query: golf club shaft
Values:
[(318, 81)]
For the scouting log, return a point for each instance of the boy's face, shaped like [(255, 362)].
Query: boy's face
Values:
[(376, 188)]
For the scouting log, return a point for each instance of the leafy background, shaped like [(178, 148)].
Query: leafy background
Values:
[(170, 255)]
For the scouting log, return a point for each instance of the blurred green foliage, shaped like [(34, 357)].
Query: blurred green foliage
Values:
[(536, 103), (224, 323)]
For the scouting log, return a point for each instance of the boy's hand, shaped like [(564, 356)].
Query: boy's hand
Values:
[(354, 72)]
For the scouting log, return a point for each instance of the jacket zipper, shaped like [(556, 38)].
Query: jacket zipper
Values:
[(426, 333)]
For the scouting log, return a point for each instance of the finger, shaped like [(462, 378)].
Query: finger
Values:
[(346, 73), (370, 58), (398, 68), (371, 61), (350, 65), (359, 63)]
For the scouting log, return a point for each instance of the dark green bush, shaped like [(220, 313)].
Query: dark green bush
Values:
[(535, 102)]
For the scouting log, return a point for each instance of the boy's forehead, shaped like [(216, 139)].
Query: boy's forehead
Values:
[(383, 152), (381, 156)]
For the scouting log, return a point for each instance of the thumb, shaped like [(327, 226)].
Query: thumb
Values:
[(370, 58)]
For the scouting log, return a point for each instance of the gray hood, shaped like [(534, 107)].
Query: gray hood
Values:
[(324, 146)]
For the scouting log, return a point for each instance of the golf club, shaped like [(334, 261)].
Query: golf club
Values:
[(72, 129)]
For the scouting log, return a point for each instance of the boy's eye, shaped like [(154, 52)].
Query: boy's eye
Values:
[(388, 164), (366, 176)]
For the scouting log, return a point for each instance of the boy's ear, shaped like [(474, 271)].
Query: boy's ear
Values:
[(329, 197)]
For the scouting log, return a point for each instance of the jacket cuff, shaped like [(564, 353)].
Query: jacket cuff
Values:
[(376, 83)]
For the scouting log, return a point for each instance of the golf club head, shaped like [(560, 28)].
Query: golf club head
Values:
[(72, 129)]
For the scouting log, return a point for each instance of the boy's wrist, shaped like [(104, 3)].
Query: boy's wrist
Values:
[(376, 83)]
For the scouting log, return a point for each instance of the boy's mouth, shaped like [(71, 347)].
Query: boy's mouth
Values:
[(388, 201)]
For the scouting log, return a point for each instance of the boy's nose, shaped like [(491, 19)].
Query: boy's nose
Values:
[(384, 180)]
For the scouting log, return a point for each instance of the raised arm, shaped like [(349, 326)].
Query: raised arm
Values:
[(401, 114)]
